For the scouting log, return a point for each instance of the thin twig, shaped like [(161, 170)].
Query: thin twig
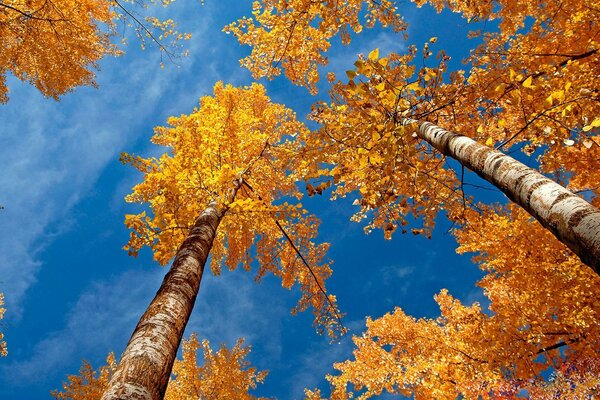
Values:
[(291, 242)]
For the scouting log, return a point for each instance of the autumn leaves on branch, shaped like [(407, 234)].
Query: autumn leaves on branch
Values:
[(56, 45), (219, 190), (533, 88), (227, 186), (224, 374)]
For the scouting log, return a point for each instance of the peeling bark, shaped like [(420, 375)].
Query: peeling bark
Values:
[(145, 366), (574, 221)]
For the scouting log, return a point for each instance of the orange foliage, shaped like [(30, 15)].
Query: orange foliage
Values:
[(56, 45), (53, 45), (89, 384), (226, 374), (372, 153), (285, 33), (535, 322), (236, 137)]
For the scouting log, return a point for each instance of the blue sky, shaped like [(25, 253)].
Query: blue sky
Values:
[(72, 293)]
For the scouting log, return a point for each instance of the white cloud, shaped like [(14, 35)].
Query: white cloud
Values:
[(104, 316), (317, 362), (52, 153), (233, 306)]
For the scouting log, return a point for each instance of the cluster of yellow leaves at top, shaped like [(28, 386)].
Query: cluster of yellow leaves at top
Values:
[(236, 137), (371, 152), (295, 34), (3, 351), (56, 44), (551, 321), (226, 374), (72, 39)]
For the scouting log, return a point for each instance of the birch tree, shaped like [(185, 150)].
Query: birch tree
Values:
[(221, 189)]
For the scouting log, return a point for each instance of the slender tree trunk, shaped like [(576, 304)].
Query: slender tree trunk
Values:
[(574, 221), (145, 366)]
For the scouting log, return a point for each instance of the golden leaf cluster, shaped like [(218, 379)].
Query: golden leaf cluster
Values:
[(225, 374), (235, 150), (538, 321), (89, 384), (372, 153), (285, 33), (56, 45)]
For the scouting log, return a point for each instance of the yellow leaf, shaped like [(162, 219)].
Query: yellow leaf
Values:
[(374, 55), (489, 141), (527, 82), (595, 123), (559, 95), (433, 40)]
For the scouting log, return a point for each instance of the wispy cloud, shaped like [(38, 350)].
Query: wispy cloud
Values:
[(312, 367), (54, 152), (103, 314), (228, 307)]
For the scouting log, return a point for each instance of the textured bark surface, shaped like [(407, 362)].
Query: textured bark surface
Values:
[(574, 221), (145, 366)]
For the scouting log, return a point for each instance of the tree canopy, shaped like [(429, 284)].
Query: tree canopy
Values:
[(57, 45), (396, 134), (236, 137)]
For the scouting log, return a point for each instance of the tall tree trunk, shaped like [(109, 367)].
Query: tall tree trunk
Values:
[(145, 366), (574, 221)]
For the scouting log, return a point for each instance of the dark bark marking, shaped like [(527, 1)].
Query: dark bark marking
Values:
[(541, 182), (579, 215)]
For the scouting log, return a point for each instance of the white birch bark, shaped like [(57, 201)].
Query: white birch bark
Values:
[(145, 366), (574, 221)]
